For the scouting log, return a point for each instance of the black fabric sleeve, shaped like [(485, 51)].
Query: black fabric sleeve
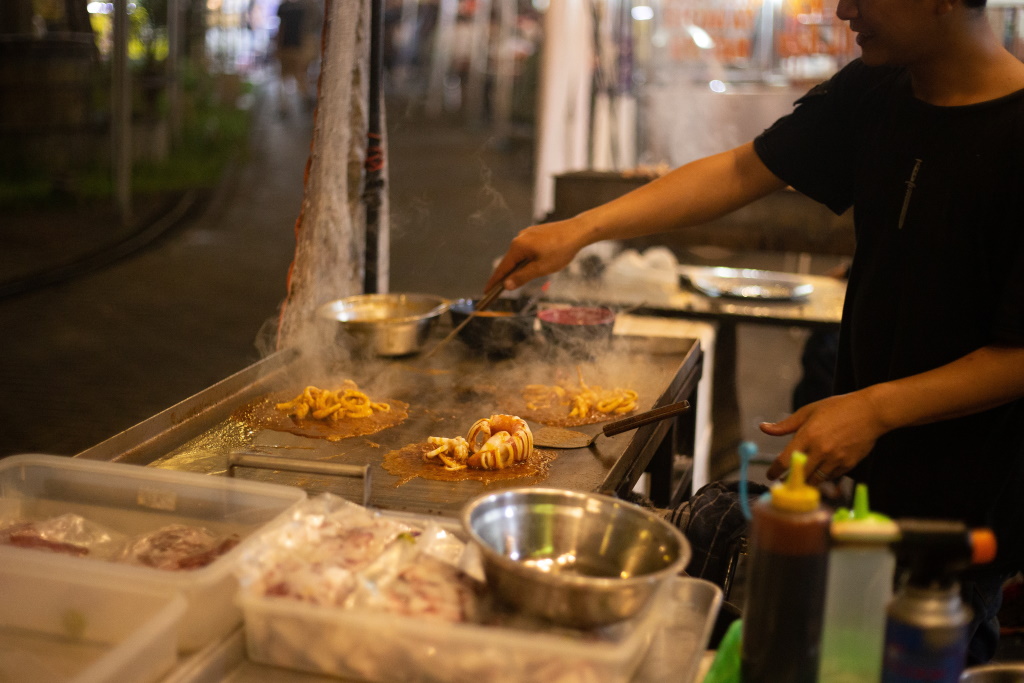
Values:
[(813, 147)]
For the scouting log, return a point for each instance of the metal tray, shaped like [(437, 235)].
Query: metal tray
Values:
[(201, 433), (745, 283)]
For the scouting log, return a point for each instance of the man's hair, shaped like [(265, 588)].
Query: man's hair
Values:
[(974, 4)]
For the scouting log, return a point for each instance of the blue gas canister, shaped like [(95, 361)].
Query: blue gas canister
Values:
[(926, 632)]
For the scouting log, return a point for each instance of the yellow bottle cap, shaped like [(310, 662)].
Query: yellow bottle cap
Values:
[(794, 495)]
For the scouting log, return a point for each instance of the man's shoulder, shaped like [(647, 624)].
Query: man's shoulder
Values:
[(857, 79)]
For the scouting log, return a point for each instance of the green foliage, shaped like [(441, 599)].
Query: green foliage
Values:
[(213, 136), (210, 142)]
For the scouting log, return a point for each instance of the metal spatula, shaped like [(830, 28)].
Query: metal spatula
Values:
[(559, 437)]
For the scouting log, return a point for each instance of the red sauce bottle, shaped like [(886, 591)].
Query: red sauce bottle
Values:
[(782, 616)]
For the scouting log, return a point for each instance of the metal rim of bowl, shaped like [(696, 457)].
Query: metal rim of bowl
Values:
[(325, 310), (576, 580)]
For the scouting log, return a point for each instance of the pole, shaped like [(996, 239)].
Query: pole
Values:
[(175, 23), (374, 184), (120, 113)]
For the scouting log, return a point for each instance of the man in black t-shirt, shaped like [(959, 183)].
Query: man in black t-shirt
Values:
[(296, 47), (923, 137)]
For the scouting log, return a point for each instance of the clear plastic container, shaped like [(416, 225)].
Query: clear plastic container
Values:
[(134, 500), (375, 646), (83, 628)]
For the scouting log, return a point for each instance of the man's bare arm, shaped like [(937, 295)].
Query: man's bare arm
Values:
[(693, 194), (838, 432)]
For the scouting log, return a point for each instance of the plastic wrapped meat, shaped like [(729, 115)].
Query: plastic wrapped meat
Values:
[(335, 553), (68, 534), (415, 577), (178, 546)]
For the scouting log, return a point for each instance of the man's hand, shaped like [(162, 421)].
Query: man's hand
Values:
[(836, 433), (549, 247)]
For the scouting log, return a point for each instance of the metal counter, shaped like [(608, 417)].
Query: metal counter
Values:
[(446, 393)]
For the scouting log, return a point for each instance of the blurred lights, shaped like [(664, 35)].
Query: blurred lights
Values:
[(717, 85), (106, 7), (700, 37), (642, 13)]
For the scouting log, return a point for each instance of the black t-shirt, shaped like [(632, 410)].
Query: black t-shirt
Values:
[(938, 272)]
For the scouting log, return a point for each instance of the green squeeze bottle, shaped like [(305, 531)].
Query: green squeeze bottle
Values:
[(861, 569), (782, 616)]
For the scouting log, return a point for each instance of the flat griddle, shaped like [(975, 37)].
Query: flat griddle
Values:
[(446, 393)]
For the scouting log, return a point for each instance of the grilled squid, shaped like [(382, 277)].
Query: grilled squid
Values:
[(493, 443)]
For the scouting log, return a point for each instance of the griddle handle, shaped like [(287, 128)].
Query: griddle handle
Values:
[(274, 462), (665, 412)]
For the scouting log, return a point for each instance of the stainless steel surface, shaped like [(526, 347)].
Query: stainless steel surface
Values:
[(389, 324), (447, 394), (190, 419), (274, 463), (558, 437), (1008, 672), (575, 558), (747, 283), (823, 307)]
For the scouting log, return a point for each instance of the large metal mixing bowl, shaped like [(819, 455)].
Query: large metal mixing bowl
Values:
[(1002, 672), (578, 559), (385, 324)]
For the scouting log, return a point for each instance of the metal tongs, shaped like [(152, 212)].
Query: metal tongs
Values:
[(488, 299)]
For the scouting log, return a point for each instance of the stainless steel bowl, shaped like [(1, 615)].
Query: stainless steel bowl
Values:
[(385, 324), (578, 559), (1004, 672)]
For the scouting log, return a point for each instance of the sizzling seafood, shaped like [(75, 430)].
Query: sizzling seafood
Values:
[(324, 404), (332, 414), (493, 443), (579, 401)]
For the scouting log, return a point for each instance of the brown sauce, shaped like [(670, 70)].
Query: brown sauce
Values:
[(262, 414), (407, 463), (557, 416)]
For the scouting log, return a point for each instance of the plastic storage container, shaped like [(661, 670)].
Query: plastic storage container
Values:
[(374, 646), (81, 628), (134, 500)]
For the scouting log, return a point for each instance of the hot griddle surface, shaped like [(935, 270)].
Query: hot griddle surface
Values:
[(446, 394)]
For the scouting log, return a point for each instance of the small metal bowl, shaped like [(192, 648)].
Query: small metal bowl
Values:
[(578, 559), (385, 324), (498, 330)]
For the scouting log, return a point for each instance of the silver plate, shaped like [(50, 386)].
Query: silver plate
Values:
[(762, 285)]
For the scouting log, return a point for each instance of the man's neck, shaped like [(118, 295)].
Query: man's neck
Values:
[(972, 67)]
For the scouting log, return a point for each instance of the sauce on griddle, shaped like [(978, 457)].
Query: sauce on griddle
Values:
[(407, 463), (263, 415)]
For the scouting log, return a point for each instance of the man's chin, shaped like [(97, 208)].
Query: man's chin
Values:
[(871, 57)]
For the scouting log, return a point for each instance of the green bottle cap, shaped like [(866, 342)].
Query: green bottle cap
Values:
[(860, 525)]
